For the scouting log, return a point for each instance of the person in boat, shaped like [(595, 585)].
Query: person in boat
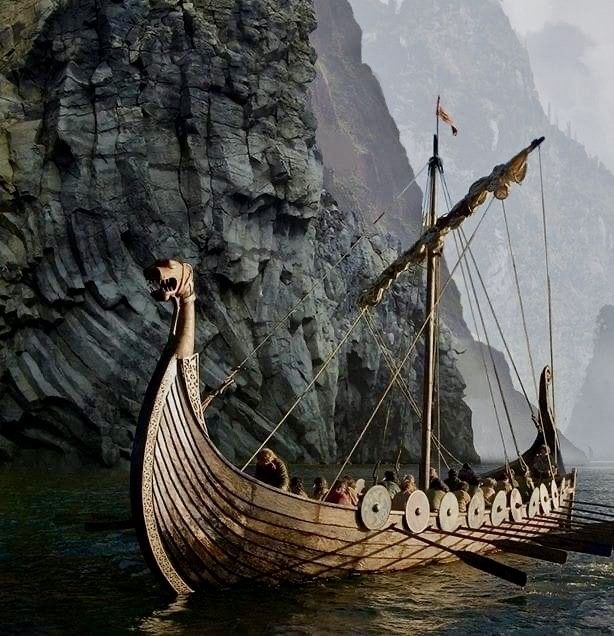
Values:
[(504, 484), (271, 470), (541, 464), (466, 474), (488, 490), (433, 474), (389, 482), (474, 484), (453, 482), (513, 479), (320, 488), (350, 486), (525, 484), (338, 494), (297, 487), (436, 493), (408, 485), (463, 497)]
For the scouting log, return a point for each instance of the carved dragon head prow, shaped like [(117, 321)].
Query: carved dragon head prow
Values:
[(172, 280)]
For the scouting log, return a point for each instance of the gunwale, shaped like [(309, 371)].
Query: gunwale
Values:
[(220, 526)]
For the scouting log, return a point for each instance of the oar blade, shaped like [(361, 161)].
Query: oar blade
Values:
[(495, 568)]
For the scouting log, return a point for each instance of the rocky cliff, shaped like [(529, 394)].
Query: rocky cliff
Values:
[(142, 130), (592, 420), (468, 52)]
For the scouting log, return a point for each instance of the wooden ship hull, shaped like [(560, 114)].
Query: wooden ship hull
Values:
[(202, 522)]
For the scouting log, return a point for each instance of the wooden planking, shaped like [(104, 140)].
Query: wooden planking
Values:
[(221, 526)]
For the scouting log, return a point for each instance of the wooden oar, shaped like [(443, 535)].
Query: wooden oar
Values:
[(108, 524), (477, 561), (593, 504), (574, 543), (593, 511), (93, 522), (522, 548), (542, 552)]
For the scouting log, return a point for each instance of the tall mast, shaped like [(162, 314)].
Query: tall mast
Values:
[(430, 345)]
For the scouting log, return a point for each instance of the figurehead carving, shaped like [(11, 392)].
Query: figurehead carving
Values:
[(171, 280)]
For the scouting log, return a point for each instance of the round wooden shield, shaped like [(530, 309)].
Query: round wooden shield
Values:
[(475, 511), (516, 506), (544, 499), (533, 507), (448, 512), (360, 485), (375, 508), (417, 512), (498, 511), (554, 493)]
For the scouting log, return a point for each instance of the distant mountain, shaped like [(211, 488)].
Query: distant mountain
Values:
[(366, 167), (592, 420), (468, 52)]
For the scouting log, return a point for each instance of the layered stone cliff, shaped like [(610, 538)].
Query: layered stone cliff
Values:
[(143, 130)]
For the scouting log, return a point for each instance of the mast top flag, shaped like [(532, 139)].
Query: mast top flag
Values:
[(445, 117), (498, 182)]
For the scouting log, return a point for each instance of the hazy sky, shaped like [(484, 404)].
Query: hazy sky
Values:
[(572, 53)]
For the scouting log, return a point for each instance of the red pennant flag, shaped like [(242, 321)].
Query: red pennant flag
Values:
[(446, 119)]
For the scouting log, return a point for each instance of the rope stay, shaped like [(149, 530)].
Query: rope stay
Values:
[(307, 388), (492, 359), (467, 276), (520, 302), (483, 357), (237, 369), (548, 281), (413, 344)]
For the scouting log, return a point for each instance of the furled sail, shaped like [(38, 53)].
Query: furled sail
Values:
[(498, 182)]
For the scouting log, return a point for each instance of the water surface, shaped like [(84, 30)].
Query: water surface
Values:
[(56, 578)]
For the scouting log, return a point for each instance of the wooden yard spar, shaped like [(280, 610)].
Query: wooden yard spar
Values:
[(202, 522)]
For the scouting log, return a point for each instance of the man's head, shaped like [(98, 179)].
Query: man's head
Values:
[(389, 475), (265, 456), (464, 486), (407, 485), (452, 473)]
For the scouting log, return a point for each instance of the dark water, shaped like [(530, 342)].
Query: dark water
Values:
[(56, 578)]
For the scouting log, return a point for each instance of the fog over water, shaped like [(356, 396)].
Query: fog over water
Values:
[(572, 52)]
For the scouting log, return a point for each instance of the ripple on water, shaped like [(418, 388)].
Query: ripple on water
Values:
[(56, 578)]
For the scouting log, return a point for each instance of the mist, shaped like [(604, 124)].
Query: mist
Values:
[(571, 52)]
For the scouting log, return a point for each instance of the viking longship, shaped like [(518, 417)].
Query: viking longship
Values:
[(204, 522)]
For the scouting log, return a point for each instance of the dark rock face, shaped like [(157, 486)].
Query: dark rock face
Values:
[(593, 415), (365, 165), (143, 130)]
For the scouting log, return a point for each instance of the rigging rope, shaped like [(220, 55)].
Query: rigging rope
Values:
[(401, 382), (490, 349), (486, 372), (549, 293), (520, 303), (393, 380), (230, 377), (308, 387)]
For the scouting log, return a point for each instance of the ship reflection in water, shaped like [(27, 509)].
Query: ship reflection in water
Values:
[(57, 578)]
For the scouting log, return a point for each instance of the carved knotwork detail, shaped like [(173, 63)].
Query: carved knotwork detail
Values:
[(151, 526), (191, 378)]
